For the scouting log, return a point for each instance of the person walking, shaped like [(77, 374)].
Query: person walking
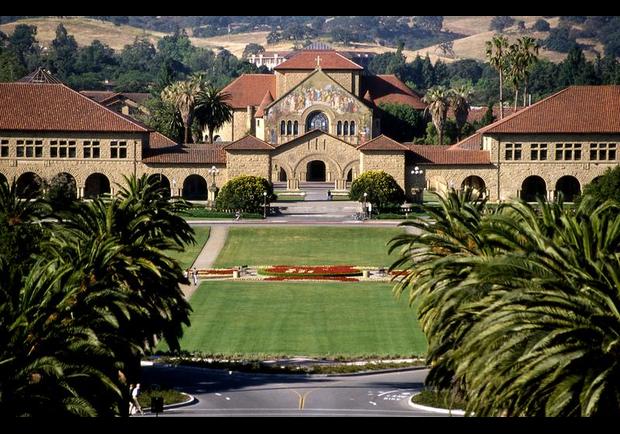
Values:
[(134, 404), (195, 276)]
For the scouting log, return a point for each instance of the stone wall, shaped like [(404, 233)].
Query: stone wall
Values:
[(237, 128), (256, 163), (441, 177), (392, 162)]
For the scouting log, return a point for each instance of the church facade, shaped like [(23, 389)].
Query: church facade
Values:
[(316, 119)]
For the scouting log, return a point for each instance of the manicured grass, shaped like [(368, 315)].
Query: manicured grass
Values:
[(187, 257), (290, 198), (362, 246), (302, 318)]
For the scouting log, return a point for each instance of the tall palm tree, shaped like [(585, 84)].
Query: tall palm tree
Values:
[(213, 110), (515, 69), (459, 100), (528, 47), (183, 94), (496, 50), (437, 98)]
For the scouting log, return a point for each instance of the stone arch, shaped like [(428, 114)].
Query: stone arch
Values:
[(331, 166), (67, 182), (163, 181), (533, 187), (316, 171), (569, 186), (195, 188), (323, 109), (95, 185), (29, 184), (282, 176), (352, 168), (476, 182)]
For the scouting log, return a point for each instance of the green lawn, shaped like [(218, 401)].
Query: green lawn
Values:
[(187, 257), (311, 245), (302, 318)]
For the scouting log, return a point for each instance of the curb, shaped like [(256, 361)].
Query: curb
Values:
[(433, 409), (191, 400)]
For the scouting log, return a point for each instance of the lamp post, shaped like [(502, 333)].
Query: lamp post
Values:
[(264, 204), (213, 188), (365, 206), (417, 190)]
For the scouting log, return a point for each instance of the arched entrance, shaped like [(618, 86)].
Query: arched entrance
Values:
[(282, 177), (475, 182), (96, 185), (29, 184), (195, 188), (315, 171), (317, 121), (569, 186), (63, 188), (533, 187), (162, 182)]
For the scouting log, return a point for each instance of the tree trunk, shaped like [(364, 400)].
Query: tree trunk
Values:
[(525, 93), (210, 128), (516, 98), (440, 133), (501, 95), (186, 127)]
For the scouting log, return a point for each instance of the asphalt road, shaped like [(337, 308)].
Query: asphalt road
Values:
[(221, 393)]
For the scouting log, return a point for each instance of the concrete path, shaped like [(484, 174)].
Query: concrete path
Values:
[(208, 254)]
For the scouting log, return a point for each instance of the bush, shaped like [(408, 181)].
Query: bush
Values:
[(244, 193), (383, 190), (604, 187)]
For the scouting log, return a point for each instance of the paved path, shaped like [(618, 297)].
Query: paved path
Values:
[(208, 254)]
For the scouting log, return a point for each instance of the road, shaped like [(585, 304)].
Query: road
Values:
[(221, 393)]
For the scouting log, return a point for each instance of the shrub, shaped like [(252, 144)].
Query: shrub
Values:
[(383, 190), (605, 187), (244, 193)]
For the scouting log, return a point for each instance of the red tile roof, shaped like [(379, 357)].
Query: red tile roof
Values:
[(187, 154), (389, 89), (472, 143), (249, 143), (382, 143), (267, 99), (444, 155), (574, 110), (159, 141), (249, 89), (56, 107), (307, 59), (105, 96)]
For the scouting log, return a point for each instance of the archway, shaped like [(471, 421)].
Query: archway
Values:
[(474, 182), (315, 171), (569, 186), (533, 187), (282, 177), (162, 182), (29, 184), (195, 188), (96, 185), (63, 188), (317, 121), (350, 175)]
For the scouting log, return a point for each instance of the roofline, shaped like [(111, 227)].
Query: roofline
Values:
[(358, 67), (387, 137), (311, 132), (250, 135)]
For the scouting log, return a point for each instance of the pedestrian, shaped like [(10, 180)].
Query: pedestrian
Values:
[(134, 404), (329, 195), (195, 276), (186, 273), (237, 215)]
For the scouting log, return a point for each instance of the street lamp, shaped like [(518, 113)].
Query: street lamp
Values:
[(365, 207), (417, 190), (264, 204), (213, 188)]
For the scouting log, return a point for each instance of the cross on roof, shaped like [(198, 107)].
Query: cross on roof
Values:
[(318, 61)]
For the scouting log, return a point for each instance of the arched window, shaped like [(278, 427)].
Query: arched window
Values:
[(346, 128), (282, 128), (352, 128), (295, 128), (317, 121), (289, 128), (339, 128)]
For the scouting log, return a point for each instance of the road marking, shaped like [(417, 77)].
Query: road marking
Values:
[(385, 393), (373, 403)]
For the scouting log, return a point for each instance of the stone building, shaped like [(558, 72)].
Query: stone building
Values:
[(314, 120)]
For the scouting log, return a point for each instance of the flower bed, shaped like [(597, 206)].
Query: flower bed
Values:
[(219, 271), (290, 271), (315, 277), (399, 273)]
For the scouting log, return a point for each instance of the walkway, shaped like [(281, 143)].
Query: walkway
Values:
[(208, 254)]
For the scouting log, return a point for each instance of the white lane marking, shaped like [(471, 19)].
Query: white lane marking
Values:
[(385, 393), (218, 394), (227, 398), (373, 403)]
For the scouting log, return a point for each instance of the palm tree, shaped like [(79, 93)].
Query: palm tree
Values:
[(515, 69), (496, 52), (183, 94), (213, 110), (459, 99), (529, 56), (437, 99)]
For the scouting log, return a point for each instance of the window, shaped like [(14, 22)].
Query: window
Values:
[(91, 149), (538, 152), (352, 128), (289, 128), (602, 151), (295, 128), (29, 149), (62, 149), (282, 128), (118, 149), (568, 151), (4, 148), (513, 151), (346, 128)]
